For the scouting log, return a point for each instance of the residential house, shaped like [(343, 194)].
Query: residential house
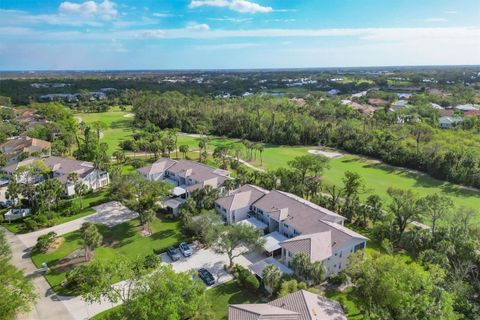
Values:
[(467, 107), (16, 146), (300, 305), (471, 113), (436, 106), (185, 176), (29, 117), (364, 108), (294, 225), (61, 168), (449, 122), (400, 104), (378, 102)]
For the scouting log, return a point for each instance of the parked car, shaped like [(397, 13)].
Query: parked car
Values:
[(173, 253), (185, 249), (206, 276), (5, 204)]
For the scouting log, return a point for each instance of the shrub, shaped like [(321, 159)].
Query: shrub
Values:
[(338, 279), (44, 241), (151, 261), (245, 278), (31, 224)]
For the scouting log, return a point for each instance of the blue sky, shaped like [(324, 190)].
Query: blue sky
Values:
[(210, 34)]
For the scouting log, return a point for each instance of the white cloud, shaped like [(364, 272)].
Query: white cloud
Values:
[(106, 9), (242, 6), (198, 26), (230, 19), (229, 46), (450, 12), (436, 20), (162, 14), (148, 34)]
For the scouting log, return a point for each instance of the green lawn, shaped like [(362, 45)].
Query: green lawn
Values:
[(91, 199), (123, 240), (229, 293), (119, 126), (377, 176)]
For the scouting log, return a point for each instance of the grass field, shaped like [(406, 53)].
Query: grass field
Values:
[(118, 122), (123, 240), (377, 176)]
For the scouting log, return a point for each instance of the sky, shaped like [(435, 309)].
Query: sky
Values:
[(234, 34)]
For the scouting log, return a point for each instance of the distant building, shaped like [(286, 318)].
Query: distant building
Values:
[(400, 104), (14, 147), (467, 107), (332, 92), (449, 122), (436, 106)]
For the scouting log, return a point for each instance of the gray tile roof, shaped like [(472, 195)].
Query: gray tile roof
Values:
[(197, 171), (260, 311), (302, 215), (60, 166), (318, 246), (311, 306), (158, 166), (241, 197), (301, 305)]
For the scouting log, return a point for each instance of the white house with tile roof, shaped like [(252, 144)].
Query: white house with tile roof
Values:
[(304, 226)]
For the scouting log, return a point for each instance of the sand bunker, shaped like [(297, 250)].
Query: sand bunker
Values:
[(128, 115), (328, 154)]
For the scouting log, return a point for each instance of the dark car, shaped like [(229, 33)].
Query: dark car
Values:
[(206, 276), (173, 253), (185, 249)]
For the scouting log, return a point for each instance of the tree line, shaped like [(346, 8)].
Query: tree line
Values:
[(407, 139)]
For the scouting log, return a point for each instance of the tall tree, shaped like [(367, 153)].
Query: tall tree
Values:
[(232, 238), (436, 207), (387, 287), (404, 206), (91, 238), (271, 277), (18, 292)]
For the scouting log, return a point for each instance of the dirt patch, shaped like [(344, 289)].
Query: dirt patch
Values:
[(56, 244), (76, 258), (328, 154)]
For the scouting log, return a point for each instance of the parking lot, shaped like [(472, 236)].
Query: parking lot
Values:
[(208, 259)]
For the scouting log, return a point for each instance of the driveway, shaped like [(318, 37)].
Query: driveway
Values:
[(110, 214), (213, 262)]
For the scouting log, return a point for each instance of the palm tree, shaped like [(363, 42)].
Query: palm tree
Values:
[(184, 149), (271, 276), (260, 148), (80, 190), (98, 126), (91, 238)]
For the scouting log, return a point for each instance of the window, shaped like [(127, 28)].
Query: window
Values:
[(340, 266), (340, 255), (286, 226)]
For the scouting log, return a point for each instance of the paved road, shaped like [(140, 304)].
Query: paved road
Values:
[(110, 213), (51, 306), (47, 306)]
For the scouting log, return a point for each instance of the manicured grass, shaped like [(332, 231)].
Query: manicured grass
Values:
[(377, 176), (121, 241), (91, 199), (345, 299), (229, 293), (119, 126)]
